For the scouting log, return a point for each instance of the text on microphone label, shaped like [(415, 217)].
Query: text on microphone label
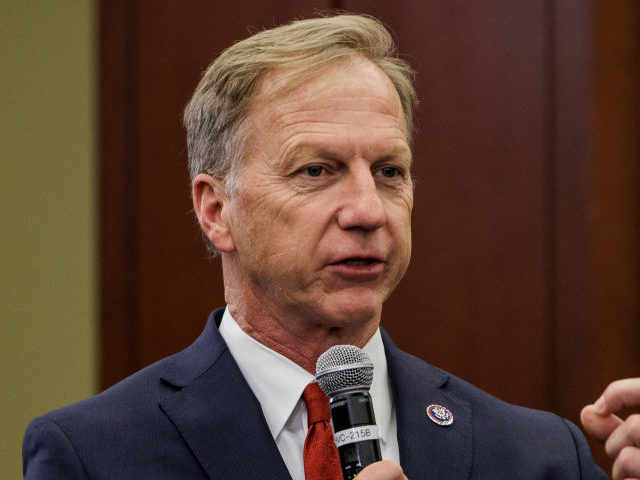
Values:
[(356, 434)]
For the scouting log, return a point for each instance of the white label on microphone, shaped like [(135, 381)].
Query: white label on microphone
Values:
[(356, 434)]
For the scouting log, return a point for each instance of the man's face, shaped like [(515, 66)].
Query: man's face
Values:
[(321, 219)]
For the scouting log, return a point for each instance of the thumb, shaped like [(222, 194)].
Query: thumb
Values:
[(598, 425), (383, 470)]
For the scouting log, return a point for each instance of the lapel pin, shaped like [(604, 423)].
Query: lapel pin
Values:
[(440, 415)]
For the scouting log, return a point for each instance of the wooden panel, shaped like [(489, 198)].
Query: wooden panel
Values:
[(597, 223), (614, 206), (475, 301), (570, 246)]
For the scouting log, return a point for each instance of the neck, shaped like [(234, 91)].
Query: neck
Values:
[(298, 335), (301, 346)]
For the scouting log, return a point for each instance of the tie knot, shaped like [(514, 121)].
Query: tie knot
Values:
[(317, 404)]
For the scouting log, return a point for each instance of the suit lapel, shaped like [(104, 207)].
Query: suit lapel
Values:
[(220, 419), (217, 414), (428, 450)]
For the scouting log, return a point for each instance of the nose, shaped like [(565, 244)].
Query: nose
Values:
[(362, 206)]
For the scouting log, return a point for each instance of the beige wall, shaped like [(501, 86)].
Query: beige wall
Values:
[(47, 213)]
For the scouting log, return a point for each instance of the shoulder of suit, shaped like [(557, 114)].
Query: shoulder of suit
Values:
[(485, 405)]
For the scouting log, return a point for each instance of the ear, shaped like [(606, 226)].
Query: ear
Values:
[(209, 200)]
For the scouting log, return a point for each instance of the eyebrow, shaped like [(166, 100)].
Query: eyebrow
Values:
[(303, 151)]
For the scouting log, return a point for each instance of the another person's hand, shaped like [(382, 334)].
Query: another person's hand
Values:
[(384, 470), (621, 437)]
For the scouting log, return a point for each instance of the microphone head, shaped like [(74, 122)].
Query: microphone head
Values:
[(342, 369)]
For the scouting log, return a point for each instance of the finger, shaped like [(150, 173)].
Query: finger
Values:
[(599, 426), (627, 434), (627, 465), (384, 470), (619, 394)]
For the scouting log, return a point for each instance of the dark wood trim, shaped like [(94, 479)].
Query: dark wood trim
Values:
[(571, 182), (117, 190), (551, 207), (616, 185)]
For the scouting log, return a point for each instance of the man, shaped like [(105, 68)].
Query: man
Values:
[(299, 150)]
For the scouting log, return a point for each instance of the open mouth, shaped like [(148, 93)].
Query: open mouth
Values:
[(359, 262)]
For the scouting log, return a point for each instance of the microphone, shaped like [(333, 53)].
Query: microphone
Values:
[(345, 373)]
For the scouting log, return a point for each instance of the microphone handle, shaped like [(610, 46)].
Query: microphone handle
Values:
[(356, 432)]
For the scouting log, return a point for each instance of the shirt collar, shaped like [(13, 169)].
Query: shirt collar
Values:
[(380, 390), (277, 382)]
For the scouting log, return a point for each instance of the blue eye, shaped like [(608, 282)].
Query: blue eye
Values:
[(315, 170), (389, 172)]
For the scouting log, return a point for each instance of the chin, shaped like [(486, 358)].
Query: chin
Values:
[(353, 314)]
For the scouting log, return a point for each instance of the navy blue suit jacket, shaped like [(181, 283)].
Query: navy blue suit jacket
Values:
[(193, 416)]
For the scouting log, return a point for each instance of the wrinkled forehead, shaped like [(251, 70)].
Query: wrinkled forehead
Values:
[(354, 77)]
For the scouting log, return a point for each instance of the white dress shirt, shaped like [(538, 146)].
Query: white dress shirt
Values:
[(277, 383)]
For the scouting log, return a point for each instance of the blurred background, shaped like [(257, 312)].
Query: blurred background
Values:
[(525, 278)]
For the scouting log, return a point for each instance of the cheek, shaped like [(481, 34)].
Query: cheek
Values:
[(250, 227), (400, 217), (273, 231), (402, 235)]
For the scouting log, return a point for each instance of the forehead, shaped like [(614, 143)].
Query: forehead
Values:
[(352, 84)]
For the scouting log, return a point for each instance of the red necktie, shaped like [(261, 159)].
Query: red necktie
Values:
[(321, 460)]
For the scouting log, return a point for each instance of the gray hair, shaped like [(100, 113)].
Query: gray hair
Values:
[(215, 118)]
